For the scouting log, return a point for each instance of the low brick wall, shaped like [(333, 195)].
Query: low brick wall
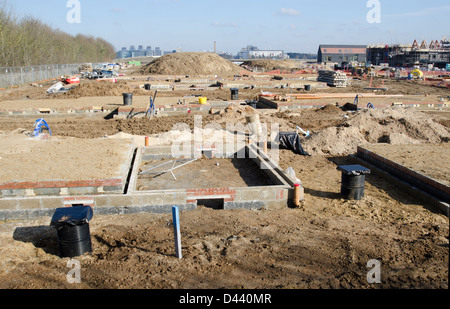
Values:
[(62, 187), (416, 179), (72, 111)]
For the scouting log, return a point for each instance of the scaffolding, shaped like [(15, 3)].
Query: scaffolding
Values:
[(436, 53)]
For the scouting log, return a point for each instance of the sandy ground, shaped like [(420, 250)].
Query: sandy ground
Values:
[(431, 161), (202, 174), (25, 158), (326, 243)]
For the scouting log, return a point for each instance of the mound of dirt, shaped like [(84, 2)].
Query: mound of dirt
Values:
[(330, 109), (235, 113), (98, 89), (392, 126), (196, 63), (272, 64)]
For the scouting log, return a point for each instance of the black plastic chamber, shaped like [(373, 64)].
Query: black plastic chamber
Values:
[(73, 232), (353, 181)]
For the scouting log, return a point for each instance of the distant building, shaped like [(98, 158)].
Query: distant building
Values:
[(342, 53), (157, 52), (123, 53), (140, 52), (252, 52), (436, 53), (137, 53)]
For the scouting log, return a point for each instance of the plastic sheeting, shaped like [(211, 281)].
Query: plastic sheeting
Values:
[(291, 140)]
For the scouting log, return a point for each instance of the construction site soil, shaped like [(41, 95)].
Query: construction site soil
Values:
[(191, 64), (326, 243), (23, 158), (270, 65), (202, 174)]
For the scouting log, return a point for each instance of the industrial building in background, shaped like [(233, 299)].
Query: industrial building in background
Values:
[(342, 54), (141, 52), (253, 52), (436, 54)]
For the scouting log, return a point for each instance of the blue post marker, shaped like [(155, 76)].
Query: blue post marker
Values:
[(176, 229)]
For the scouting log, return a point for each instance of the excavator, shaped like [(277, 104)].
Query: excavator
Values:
[(361, 70)]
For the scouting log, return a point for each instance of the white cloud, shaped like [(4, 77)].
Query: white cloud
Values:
[(289, 12)]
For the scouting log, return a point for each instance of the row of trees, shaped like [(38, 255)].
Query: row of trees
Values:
[(29, 41)]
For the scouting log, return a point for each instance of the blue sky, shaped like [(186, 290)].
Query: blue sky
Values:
[(291, 25)]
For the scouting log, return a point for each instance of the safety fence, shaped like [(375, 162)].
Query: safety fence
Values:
[(17, 76)]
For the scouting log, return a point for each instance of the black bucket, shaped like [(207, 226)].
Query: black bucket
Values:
[(353, 181), (127, 99), (307, 87), (72, 227), (147, 86), (234, 94), (74, 240)]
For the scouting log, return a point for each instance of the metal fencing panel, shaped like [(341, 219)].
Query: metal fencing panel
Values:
[(16, 76)]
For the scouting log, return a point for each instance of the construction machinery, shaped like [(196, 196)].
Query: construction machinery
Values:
[(361, 70), (416, 74)]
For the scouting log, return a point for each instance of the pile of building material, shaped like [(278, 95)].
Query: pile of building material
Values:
[(333, 78)]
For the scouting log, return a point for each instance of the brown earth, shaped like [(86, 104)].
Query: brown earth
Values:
[(411, 89), (393, 86), (191, 64), (393, 126), (326, 243), (270, 65), (24, 158), (99, 89), (202, 174), (430, 161)]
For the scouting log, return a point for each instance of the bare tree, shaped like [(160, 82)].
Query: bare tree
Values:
[(29, 41)]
